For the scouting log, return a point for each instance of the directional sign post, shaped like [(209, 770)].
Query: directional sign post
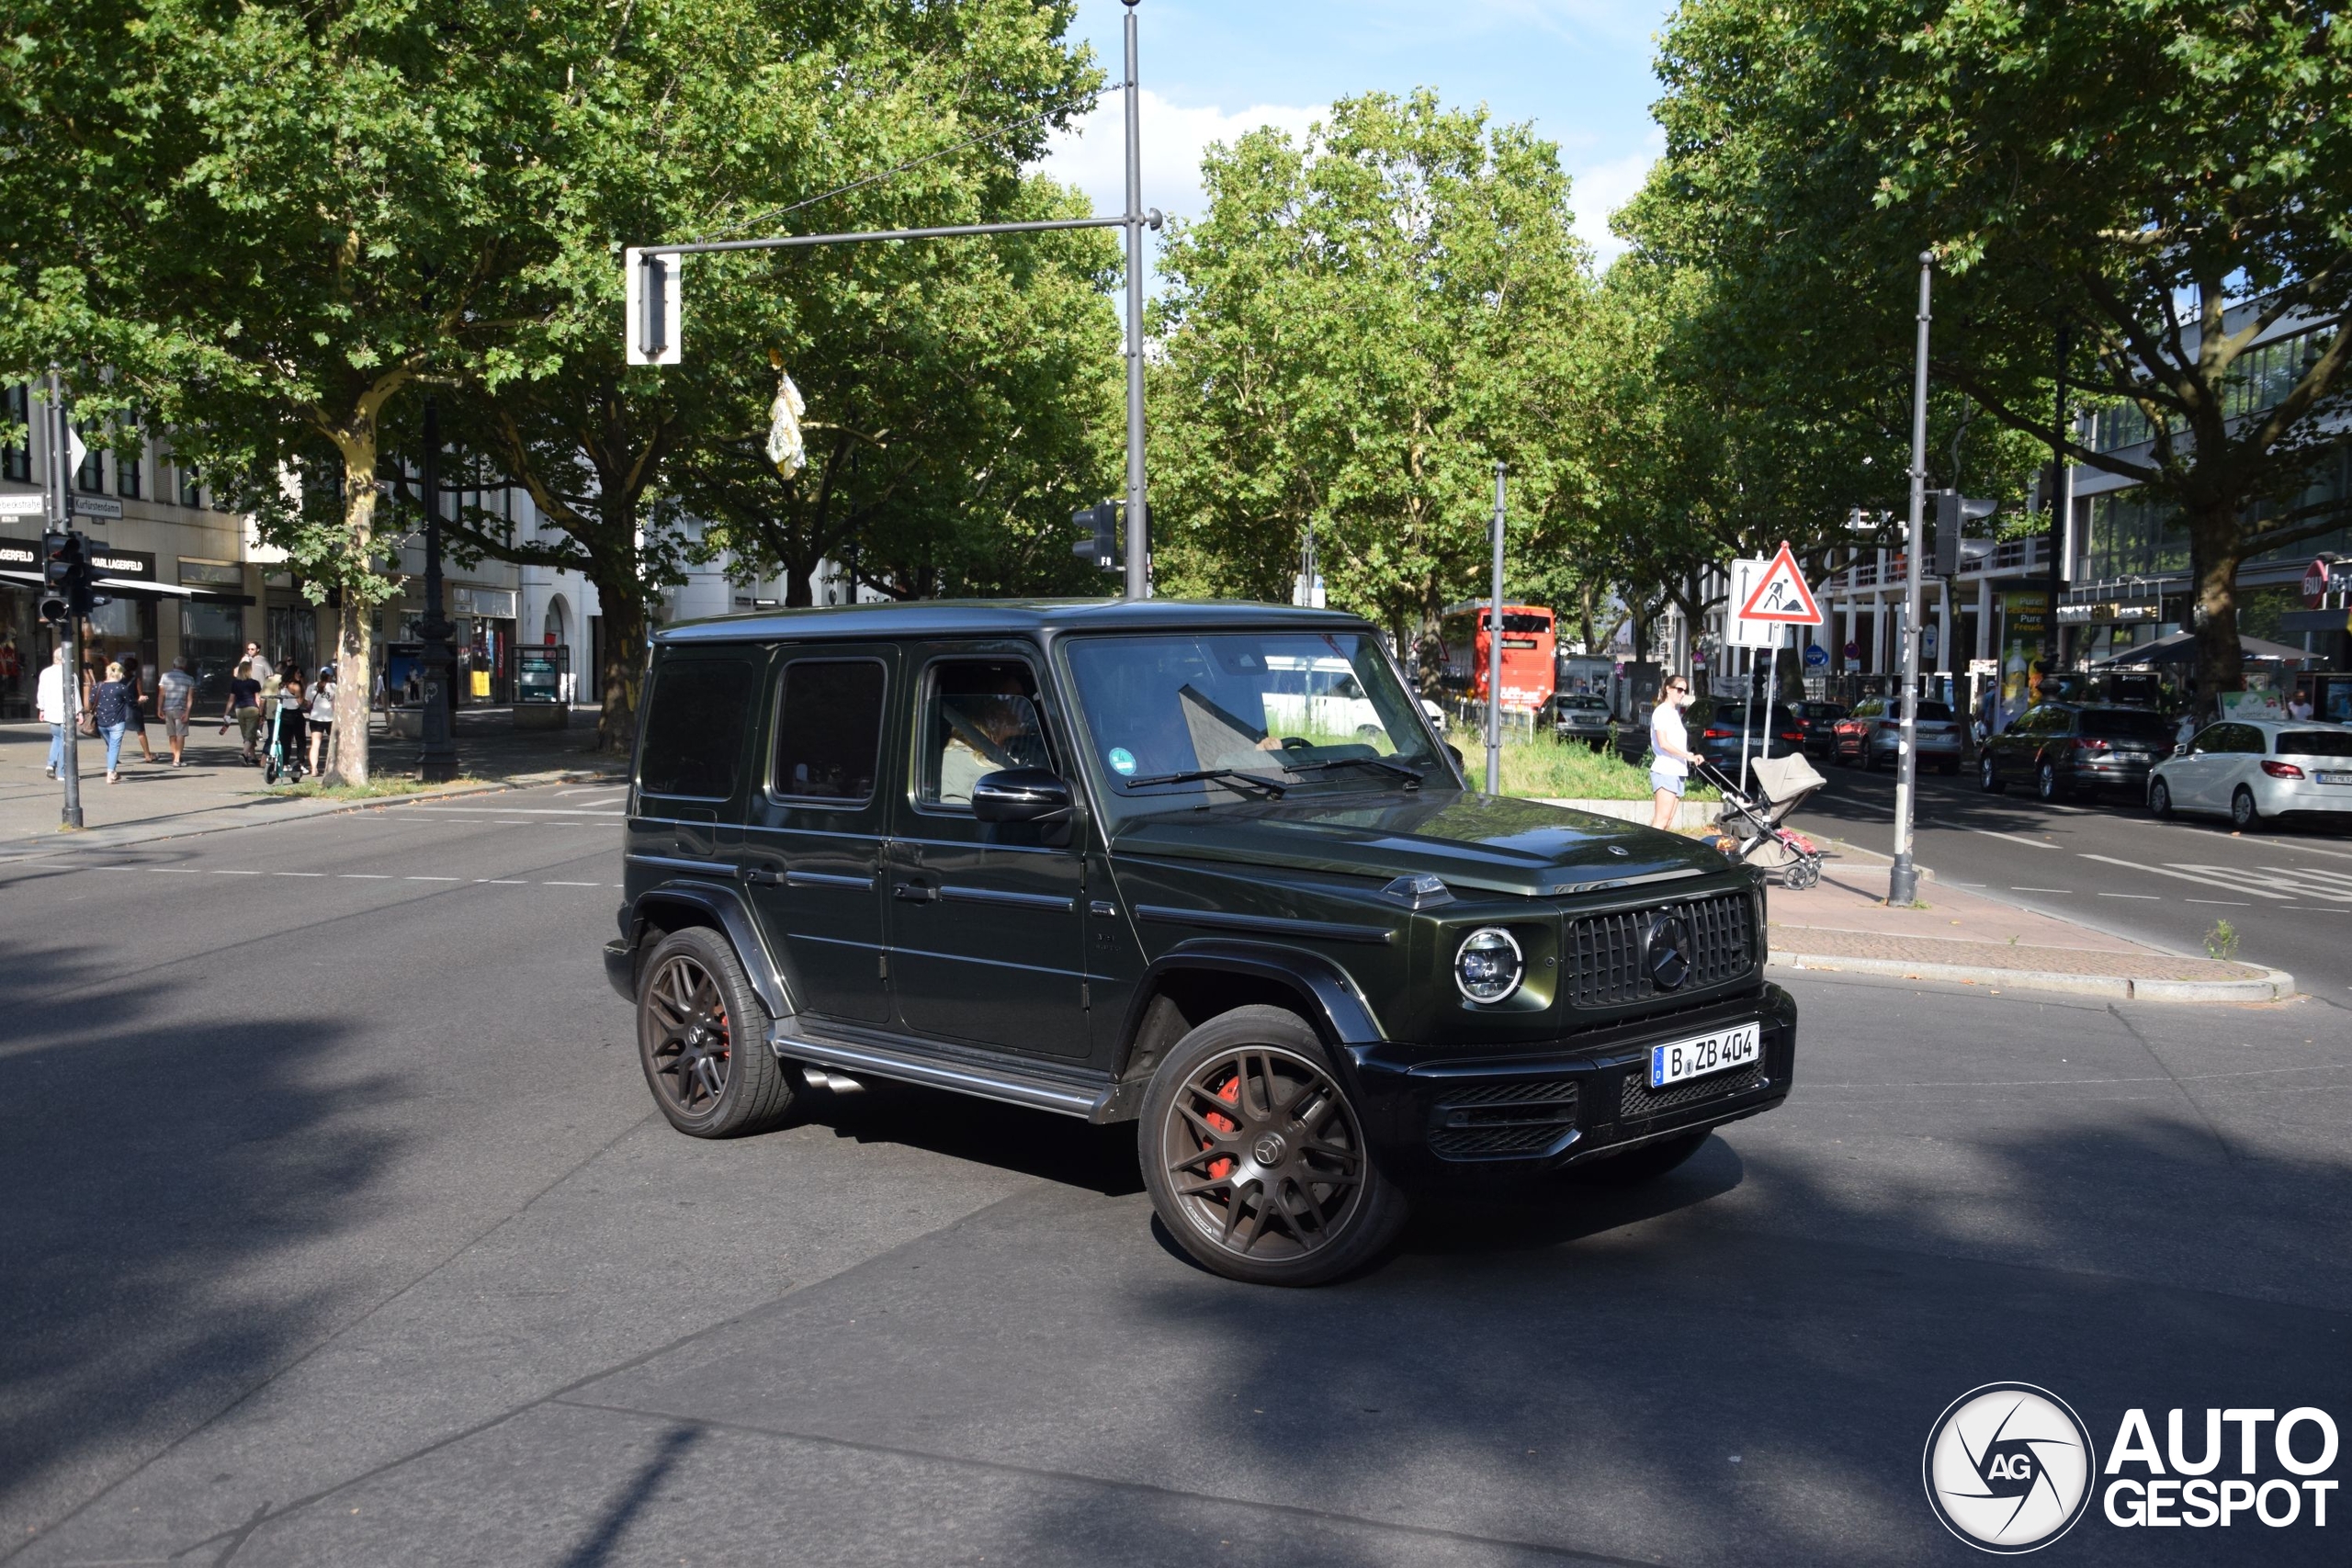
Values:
[(1768, 595)]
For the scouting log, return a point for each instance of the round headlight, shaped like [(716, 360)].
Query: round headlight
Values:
[(1488, 967)]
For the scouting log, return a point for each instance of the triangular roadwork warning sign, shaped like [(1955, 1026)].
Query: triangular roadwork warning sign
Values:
[(1782, 595)]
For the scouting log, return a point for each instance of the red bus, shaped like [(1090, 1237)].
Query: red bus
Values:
[(1529, 647)]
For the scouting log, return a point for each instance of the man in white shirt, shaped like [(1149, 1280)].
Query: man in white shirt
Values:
[(175, 696), (2298, 707), (49, 700)]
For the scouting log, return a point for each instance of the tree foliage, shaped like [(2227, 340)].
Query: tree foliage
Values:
[(2166, 179), (1357, 331)]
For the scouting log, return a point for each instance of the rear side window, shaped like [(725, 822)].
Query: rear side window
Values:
[(2315, 743), (829, 731), (694, 728), (2122, 725), (1935, 710)]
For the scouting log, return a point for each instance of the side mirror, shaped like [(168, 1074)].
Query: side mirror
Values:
[(1021, 795), (2180, 749), (1456, 753)]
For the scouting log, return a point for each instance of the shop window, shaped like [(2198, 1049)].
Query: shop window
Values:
[(16, 460), (212, 636)]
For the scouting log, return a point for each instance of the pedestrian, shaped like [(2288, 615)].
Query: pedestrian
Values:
[(252, 665), (243, 710), (1670, 741), (288, 725), (135, 678), (174, 700), (2298, 707), (48, 701), (322, 715), (111, 705)]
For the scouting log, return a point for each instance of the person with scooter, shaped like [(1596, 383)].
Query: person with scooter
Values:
[(289, 728)]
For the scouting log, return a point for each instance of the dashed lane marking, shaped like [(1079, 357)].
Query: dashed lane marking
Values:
[(2017, 889), (363, 876), (2225, 903), (570, 885), (431, 879), (298, 874), (2151, 898), (216, 871)]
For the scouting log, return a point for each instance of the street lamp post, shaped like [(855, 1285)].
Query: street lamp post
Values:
[(1138, 583), (439, 761), (1903, 878), (1495, 652), (61, 504)]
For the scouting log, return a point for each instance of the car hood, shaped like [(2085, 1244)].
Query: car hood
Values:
[(1494, 843)]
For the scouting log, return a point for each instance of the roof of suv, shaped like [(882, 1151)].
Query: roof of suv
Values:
[(970, 617)]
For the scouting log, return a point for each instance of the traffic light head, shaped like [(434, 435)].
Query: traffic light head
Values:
[(1100, 542), (59, 554)]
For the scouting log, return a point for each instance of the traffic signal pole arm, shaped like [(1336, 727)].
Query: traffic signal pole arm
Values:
[(1150, 219)]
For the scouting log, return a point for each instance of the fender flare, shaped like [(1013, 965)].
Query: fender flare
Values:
[(725, 906), (1330, 1001)]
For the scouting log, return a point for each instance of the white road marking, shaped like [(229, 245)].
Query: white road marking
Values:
[(431, 879), (569, 884), (2016, 889), (217, 872), (2013, 837), (298, 874), (2203, 882), (2225, 903), (364, 875), (519, 811), (502, 882), (2151, 898)]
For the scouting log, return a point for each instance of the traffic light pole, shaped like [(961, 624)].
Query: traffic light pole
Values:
[(438, 760), (1903, 878), (69, 762), (1135, 220), (1494, 653)]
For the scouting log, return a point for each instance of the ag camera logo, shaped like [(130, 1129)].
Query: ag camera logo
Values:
[(2009, 1468)]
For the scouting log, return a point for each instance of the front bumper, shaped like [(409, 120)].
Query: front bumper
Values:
[(1434, 1115)]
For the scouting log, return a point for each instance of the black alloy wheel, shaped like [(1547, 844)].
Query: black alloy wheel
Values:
[(1988, 777), (1255, 1160), (2045, 782), (2159, 798), (2245, 815), (701, 1036)]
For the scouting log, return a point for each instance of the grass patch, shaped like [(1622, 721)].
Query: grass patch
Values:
[(1546, 769), (375, 789)]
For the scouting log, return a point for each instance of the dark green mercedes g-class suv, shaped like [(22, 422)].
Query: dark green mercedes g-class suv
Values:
[(1206, 867)]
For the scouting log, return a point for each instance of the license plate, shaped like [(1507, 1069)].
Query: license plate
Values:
[(2334, 778), (1704, 1054)]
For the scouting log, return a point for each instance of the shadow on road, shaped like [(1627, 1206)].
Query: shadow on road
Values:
[(1033, 1142)]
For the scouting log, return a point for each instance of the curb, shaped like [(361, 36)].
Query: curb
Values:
[(2276, 986), (268, 813)]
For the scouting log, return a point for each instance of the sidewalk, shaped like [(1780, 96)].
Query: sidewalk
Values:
[(215, 790), (1845, 924)]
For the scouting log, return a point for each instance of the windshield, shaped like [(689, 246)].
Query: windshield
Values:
[(1309, 712)]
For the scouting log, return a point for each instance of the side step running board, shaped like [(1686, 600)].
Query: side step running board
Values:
[(1010, 1085)]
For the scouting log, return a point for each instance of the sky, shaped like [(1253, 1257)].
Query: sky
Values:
[(1579, 70)]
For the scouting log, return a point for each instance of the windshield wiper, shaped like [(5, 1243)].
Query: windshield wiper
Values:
[(1412, 776), (1273, 787)]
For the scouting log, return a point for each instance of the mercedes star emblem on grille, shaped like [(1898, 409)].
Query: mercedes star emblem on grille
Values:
[(1666, 949)]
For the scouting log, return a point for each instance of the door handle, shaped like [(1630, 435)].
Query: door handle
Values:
[(761, 877), (915, 893)]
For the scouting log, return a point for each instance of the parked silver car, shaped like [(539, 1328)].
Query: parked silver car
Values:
[(1577, 716), (2249, 770), (1872, 735)]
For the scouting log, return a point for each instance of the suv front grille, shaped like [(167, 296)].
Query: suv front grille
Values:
[(1489, 1120), (1641, 1102), (1604, 952)]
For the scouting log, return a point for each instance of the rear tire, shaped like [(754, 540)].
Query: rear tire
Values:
[(1255, 1159), (702, 1039), (2159, 799), (2245, 815), (1988, 777), (2045, 784), (1645, 1164)]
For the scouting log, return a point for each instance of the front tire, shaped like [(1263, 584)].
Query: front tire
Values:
[(2045, 784), (1255, 1160), (2245, 815), (702, 1040), (2160, 800), (1988, 777)]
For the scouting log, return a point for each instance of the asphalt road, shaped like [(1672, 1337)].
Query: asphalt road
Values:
[(341, 1230), (2287, 889)]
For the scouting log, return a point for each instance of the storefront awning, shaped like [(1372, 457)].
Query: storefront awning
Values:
[(125, 588)]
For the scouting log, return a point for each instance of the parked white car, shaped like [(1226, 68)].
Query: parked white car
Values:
[(2248, 770)]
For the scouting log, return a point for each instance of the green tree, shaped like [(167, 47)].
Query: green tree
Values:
[(2168, 179), (264, 223), (1359, 328)]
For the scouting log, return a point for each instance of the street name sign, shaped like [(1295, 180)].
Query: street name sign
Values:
[(29, 503), (96, 506)]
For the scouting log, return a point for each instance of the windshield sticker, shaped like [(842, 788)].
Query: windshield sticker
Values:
[(1122, 761)]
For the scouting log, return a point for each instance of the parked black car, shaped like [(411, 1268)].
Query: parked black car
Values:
[(2065, 749), (1110, 860), (1819, 721), (1726, 728)]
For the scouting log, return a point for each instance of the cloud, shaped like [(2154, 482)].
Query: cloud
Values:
[(1092, 155), (1599, 189)]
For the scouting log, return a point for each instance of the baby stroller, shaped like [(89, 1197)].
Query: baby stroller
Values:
[(1748, 827)]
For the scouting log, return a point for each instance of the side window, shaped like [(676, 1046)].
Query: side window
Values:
[(2212, 738), (2248, 738), (829, 730), (978, 715), (694, 721)]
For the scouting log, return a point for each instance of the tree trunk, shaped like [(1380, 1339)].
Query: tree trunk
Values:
[(355, 642), (2212, 543), (624, 673)]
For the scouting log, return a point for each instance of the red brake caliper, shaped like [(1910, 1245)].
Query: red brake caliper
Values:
[(1221, 1167), (725, 1041)]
